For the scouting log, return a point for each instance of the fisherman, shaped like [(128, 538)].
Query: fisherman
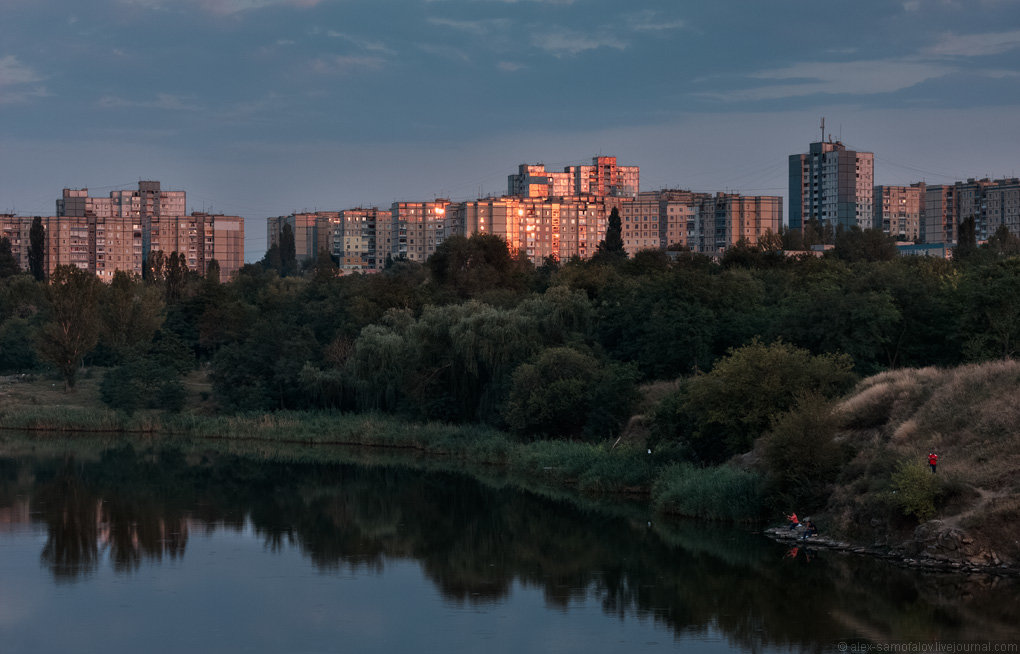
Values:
[(933, 460), (794, 521), (809, 529)]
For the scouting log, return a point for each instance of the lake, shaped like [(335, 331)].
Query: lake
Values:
[(123, 547)]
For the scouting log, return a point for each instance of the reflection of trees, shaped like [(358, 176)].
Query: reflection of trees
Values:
[(474, 542)]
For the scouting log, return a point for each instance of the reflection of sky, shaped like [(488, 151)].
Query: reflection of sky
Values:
[(229, 594)]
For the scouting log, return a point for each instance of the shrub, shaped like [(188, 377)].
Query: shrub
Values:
[(916, 490), (802, 456), (720, 414)]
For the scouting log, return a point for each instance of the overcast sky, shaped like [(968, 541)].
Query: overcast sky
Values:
[(264, 107)]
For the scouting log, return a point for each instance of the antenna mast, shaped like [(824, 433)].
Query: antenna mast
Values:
[(823, 129)]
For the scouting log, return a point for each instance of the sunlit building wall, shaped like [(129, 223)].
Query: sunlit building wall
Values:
[(898, 211), (832, 185)]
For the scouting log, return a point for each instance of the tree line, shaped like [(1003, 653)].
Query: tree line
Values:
[(477, 334)]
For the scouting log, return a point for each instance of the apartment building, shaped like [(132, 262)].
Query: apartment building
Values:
[(898, 211), (417, 228), (311, 232), (355, 239), (832, 185), (701, 222), (604, 177), (990, 203)]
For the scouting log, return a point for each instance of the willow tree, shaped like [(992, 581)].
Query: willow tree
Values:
[(73, 329)]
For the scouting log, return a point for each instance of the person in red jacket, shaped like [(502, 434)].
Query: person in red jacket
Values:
[(933, 460), (794, 521)]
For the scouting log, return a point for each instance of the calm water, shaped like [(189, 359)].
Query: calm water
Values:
[(139, 550)]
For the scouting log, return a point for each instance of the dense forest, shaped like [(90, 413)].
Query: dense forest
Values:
[(561, 350)]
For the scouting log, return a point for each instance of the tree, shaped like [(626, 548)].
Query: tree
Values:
[(73, 329), (1003, 242), (288, 253), (720, 414), (37, 249), (611, 248), (8, 264), (131, 314), (176, 276), (966, 239)]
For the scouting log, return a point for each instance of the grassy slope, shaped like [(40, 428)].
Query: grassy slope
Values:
[(971, 417)]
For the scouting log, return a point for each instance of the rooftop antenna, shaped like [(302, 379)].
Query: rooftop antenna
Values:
[(823, 129)]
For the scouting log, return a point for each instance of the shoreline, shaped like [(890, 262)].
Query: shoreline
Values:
[(588, 469), (931, 564)]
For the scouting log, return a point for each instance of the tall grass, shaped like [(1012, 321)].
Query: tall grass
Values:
[(721, 493)]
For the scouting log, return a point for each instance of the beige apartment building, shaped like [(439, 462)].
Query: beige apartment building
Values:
[(898, 211), (832, 185), (604, 177), (989, 202), (202, 237), (700, 222), (417, 228), (107, 234)]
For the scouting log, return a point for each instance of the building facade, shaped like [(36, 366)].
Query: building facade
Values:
[(604, 177), (833, 186), (898, 211)]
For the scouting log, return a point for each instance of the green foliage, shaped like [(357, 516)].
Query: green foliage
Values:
[(916, 490), (802, 457), (142, 384), (73, 329), (37, 249), (17, 354), (130, 313), (872, 245), (610, 249), (720, 414), (8, 264), (469, 267), (564, 393), (720, 493), (989, 298)]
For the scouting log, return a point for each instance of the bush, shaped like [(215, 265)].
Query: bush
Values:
[(720, 414), (564, 393), (142, 384), (916, 490), (802, 457)]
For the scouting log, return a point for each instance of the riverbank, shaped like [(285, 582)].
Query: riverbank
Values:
[(627, 469)]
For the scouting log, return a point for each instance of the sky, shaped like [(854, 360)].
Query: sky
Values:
[(265, 107)]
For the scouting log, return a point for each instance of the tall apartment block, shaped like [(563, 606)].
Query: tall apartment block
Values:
[(417, 228), (602, 178), (990, 203), (898, 211), (700, 222), (107, 234), (832, 185)]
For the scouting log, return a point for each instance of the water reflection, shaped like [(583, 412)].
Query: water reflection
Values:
[(475, 542)]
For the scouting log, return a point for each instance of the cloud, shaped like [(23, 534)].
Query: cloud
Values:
[(567, 42), (225, 7), (17, 80), (837, 78), (346, 64), (509, 66), (163, 101), (651, 21), (975, 45), (475, 27), (361, 42)]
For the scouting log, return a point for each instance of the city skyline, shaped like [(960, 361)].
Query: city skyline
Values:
[(267, 107)]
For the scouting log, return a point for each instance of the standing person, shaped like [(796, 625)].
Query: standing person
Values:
[(933, 460), (794, 521)]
